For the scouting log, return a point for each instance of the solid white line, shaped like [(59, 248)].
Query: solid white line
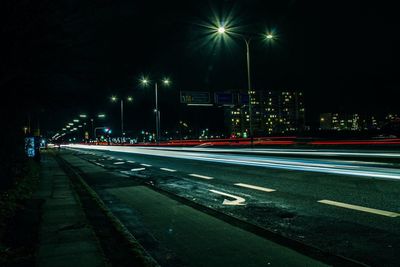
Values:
[(201, 176), (146, 165), (137, 169), (256, 187), (168, 170), (99, 164), (359, 208), (130, 161), (119, 162)]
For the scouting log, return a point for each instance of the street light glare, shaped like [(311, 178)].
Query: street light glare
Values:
[(144, 81), (113, 98), (129, 98), (166, 81), (221, 30), (269, 36)]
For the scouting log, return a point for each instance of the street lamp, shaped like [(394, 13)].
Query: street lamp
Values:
[(129, 99), (269, 36), (165, 82)]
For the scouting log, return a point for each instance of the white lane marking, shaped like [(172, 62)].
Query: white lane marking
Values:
[(130, 161), (120, 159), (101, 165), (145, 165), (168, 170), (137, 169), (256, 187), (238, 200), (110, 157), (201, 176), (359, 208), (119, 162)]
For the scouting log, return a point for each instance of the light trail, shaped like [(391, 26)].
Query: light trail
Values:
[(309, 165), (303, 152)]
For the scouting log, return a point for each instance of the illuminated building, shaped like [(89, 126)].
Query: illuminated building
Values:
[(354, 122), (274, 112)]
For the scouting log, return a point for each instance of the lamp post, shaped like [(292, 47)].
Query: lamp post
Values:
[(269, 36), (129, 99), (165, 82), (85, 117)]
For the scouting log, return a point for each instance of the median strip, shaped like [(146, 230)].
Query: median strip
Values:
[(264, 189), (201, 176), (359, 208), (168, 170)]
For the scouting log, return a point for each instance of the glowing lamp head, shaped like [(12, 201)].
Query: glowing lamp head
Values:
[(221, 30), (269, 36), (145, 81), (166, 81), (130, 99), (113, 98)]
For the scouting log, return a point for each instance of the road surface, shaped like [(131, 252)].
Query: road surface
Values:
[(345, 207)]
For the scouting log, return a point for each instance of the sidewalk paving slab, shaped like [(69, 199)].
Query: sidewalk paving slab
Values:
[(65, 238)]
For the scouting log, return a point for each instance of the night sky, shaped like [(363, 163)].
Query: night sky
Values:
[(61, 58)]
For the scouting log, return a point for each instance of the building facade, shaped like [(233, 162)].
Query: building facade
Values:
[(273, 112)]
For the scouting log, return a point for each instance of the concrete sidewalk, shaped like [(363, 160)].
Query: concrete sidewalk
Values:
[(65, 238)]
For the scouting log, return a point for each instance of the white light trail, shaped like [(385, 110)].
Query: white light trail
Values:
[(309, 165)]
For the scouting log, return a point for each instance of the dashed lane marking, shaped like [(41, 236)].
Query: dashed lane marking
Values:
[(137, 169), (256, 187), (201, 176), (168, 170), (119, 162), (359, 208), (145, 165)]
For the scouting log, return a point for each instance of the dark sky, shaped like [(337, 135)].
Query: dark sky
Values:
[(61, 58)]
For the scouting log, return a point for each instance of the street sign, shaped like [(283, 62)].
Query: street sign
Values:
[(195, 97), (222, 98)]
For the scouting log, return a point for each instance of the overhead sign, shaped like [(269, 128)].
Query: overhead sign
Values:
[(223, 98), (195, 97)]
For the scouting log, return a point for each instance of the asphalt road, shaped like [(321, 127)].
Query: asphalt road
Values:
[(346, 207)]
